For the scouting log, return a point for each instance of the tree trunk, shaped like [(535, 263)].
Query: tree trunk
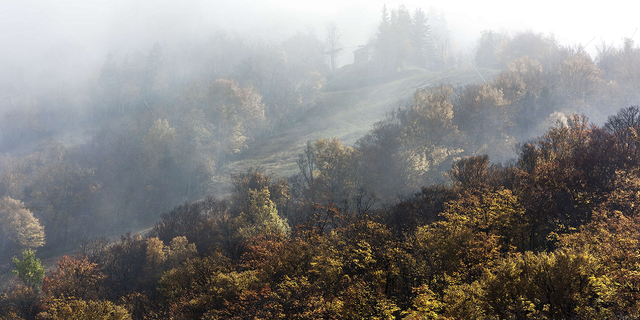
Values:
[(4, 242)]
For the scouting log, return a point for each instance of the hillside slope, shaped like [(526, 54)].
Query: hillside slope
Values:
[(347, 109)]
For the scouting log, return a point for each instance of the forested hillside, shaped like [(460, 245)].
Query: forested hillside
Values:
[(410, 185)]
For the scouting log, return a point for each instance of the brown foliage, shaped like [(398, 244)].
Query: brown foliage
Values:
[(74, 278)]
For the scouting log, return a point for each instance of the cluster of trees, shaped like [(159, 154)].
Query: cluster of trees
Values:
[(163, 127), (285, 74), (168, 80), (551, 234), (161, 123), (415, 145), (405, 37), (554, 235), (163, 136)]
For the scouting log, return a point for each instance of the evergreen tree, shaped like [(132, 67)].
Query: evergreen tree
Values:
[(402, 25), (393, 44), (421, 39), (383, 49), (443, 46)]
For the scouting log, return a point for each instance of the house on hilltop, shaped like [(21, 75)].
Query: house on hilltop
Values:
[(362, 54)]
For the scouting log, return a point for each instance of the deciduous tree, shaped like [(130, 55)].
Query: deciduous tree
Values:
[(19, 228), (29, 269), (74, 277)]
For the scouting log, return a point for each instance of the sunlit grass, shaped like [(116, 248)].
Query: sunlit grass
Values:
[(343, 111)]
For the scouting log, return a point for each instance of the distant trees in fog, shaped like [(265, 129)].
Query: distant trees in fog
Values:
[(163, 120), (361, 225), (413, 220), (404, 37), (333, 46), (152, 150), (541, 83)]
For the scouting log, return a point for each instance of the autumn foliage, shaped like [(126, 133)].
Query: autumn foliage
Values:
[(554, 235), (413, 221)]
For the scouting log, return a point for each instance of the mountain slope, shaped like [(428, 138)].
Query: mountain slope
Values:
[(347, 109)]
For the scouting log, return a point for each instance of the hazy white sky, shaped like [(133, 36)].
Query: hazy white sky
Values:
[(572, 22), (90, 28)]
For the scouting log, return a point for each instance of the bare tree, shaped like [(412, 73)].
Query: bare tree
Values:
[(333, 45)]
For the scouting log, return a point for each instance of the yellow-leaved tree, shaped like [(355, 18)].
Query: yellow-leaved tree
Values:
[(19, 229), (262, 217)]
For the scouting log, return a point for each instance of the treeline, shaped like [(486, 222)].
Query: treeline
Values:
[(150, 131), (157, 80), (417, 38), (554, 235), (550, 233), (161, 140), (159, 130), (414, 146)]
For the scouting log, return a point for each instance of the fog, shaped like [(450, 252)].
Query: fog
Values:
[(137, 106), (54, 51), (318, 159), (43, 36)]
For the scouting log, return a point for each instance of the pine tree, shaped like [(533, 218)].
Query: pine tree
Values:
[(421, 39), (393, 44)]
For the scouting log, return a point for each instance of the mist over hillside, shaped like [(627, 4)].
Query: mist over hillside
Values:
[(242, 136), (177, 99)]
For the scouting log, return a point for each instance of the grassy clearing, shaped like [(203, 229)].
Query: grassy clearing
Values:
[(347, 109)]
